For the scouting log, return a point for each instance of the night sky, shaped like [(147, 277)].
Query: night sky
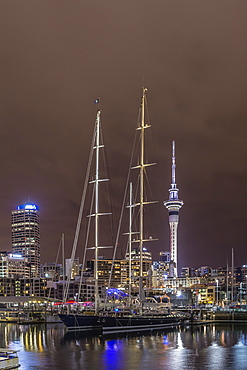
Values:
[(57, 57)]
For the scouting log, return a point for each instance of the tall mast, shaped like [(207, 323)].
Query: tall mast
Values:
[(227, 284), (232, 277), (142, 202), (97, 213), (96, 232), (130, 241), (97, 144), (142, 177), (173, 205), (63, 260)]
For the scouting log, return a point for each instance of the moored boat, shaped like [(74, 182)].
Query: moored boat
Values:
[(8, 359), (122, 320), (81, 322), (9, 316)]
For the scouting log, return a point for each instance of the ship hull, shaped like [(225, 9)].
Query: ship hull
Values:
[(136, 323), (118, 324), (81, 322)]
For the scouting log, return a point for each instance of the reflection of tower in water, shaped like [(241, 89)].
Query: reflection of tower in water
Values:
[(197, 337)]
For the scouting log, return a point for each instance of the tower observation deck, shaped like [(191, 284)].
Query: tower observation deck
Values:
[(173, 205)]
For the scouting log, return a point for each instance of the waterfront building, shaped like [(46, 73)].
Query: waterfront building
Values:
[(196, 294), (203, 294), (185, 272), (172, 284), (173, 205), (244, 274), (205, 271), (165, 256), (117, 272), (26, 235), (72, 269), (214, 272), (51, 271), (38, 287), (87, 291), (13, 265), (194, 271), (160, 272), (7, 287), (239, 274), (136, 268), (108, 268), (32, 287), (23, 287)]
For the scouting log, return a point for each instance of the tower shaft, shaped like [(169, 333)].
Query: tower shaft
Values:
[(173, 205)]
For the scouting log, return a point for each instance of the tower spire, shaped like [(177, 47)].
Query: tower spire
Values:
[(173, 164), (173, 205)]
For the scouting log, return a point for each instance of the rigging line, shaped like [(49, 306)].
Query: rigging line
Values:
[(109, 193), (122, 211), (58, 252), (135, 210), (59, 247), (149, 186), (86, 242), (151, 131), (155, 217), (80, 214), (135, 149)]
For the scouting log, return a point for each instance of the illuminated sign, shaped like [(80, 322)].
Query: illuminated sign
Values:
[(12, 255), (28, 206)]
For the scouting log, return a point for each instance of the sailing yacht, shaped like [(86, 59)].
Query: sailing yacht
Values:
[(127, 320)]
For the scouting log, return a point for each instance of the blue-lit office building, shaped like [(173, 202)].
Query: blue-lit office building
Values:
[(26, 235)]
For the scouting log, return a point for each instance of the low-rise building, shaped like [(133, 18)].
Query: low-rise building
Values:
[(13, 265)]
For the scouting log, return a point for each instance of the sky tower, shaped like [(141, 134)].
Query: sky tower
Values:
[(173, 205)]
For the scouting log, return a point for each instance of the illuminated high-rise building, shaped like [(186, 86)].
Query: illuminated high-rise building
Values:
[(26, 235), (165, 256), (13, 266), (173, 205)]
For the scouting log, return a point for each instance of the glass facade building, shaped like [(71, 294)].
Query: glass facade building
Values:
[(26, 235)]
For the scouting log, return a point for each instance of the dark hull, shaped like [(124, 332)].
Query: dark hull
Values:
[(136, 323), (118, 324), (81, 322)]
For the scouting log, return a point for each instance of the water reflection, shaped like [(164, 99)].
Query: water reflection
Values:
[(199, 337), (199, 347)]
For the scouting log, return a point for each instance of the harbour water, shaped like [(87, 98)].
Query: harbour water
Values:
[(49, 347)]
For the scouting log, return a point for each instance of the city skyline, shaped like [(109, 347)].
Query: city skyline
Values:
[(55, 61)]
